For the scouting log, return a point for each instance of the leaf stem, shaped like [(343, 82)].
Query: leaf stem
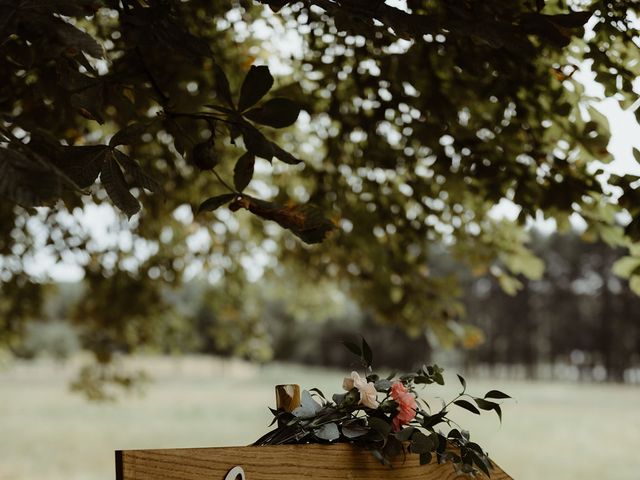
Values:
[(164, 99), (200, 116), (221, 180)]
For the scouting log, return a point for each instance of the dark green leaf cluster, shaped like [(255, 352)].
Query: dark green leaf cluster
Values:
[(39, 166)]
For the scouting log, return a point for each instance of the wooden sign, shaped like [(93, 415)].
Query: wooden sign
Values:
[(320, 462)]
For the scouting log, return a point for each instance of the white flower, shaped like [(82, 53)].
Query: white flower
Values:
[(348, 382), (366, 389)]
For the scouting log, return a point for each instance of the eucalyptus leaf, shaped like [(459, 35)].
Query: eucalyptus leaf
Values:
[(405, 434), (328, 432), (421, 443), (379, 425), (354, 430), (382, 385), (308, 407)]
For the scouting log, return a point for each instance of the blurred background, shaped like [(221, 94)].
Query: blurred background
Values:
[(476, 190), (565, 347)]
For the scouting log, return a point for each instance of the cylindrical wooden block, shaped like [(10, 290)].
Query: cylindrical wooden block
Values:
[(287, 397)]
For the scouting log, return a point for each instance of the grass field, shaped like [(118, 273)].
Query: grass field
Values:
[(552, 431)]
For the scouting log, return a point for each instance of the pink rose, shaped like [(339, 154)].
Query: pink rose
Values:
[(407, 405)]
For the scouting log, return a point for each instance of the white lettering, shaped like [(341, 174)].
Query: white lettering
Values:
[(236, 473)]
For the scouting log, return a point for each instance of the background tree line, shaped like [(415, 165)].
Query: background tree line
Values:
[(579, 321)]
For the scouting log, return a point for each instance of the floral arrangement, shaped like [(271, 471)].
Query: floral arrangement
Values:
[(387, 417)]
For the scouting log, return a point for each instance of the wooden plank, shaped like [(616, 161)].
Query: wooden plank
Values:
[(320, 462)]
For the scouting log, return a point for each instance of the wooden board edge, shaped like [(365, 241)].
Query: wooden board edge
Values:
[(119, 465), (123, 455)]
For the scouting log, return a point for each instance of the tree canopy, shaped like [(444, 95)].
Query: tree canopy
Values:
[(349, 140)]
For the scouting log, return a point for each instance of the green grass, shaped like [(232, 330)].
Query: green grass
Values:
[(553, 430)]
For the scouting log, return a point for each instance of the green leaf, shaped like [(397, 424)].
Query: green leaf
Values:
[(379, 425), (634, 284), (256, 142), (475, 447), (25, 181), (222, 86), (480, 460), (81, 163), (463, 382), (211, 204), (425, 458), (75, 38), (405, 434), (353, 348), (367, 354), (636, 154), (433, 420), (509, 284), (467, 406), (276, 112), (318, 392), (485, 404), (257, 83), (276, 5), (421, 443), (338, 398), (626, 266), (496, 394), (284, 156), (498, 411), (392, 448), (90, 102), (128, 135), (139, 176), (114, 183), (243, 171)]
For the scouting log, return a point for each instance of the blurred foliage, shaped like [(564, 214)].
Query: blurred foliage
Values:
[(411, 127), (57, 340), (580, 313)]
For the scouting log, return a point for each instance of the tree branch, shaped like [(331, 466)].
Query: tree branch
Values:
[(164, 99)]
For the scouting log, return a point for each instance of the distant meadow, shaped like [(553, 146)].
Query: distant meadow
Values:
[(553, 430)]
